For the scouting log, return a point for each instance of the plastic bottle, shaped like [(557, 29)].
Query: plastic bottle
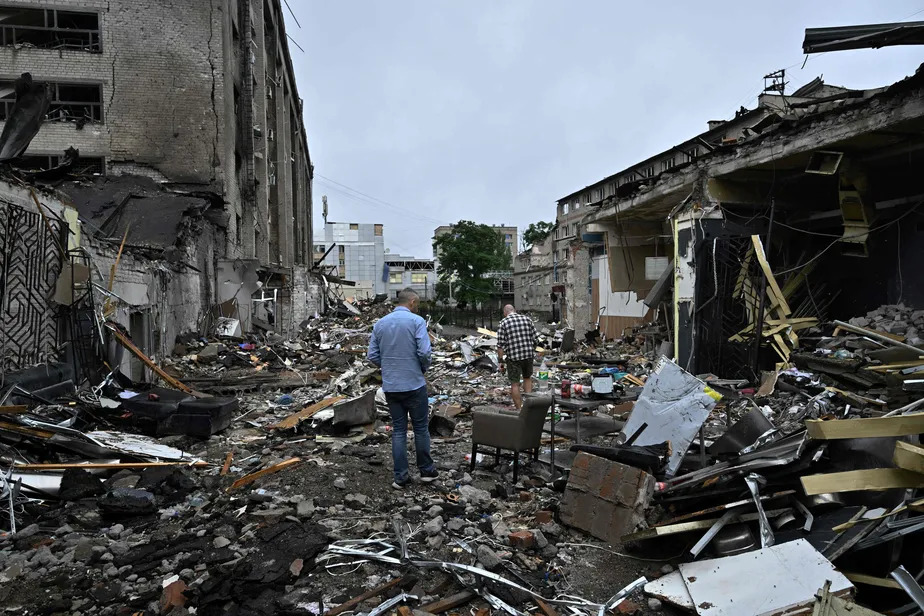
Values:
[(542, 377)]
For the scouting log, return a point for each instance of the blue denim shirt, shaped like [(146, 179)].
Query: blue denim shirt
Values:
[(400, 345)]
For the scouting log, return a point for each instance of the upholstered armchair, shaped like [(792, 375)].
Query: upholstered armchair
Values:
[(510, 430)]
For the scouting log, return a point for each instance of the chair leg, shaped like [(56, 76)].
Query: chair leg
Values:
[(516, 465), (497, 456), (474, 457)]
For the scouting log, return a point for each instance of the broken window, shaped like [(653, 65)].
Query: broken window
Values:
[(649, 172), (70, 102), (667, 164), (396, 277), (418, 278), (379, 231), (50, 29), (354, 226), (83, 165)]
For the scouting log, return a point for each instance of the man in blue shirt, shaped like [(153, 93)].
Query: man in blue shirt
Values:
[(400, 346)]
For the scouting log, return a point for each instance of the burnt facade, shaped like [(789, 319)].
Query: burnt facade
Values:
[(825, 180), (200, 94)]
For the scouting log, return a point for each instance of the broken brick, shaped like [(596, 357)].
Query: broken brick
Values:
[(172, 596), (543, 517), (525, 496), (605, 498), (628, 607), (522, 539)]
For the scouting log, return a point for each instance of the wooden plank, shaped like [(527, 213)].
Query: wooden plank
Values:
[(739, 503), (227, 465), (486, 332), (128, 344), (686, 527), (444, 605), (869, 479), (857, 519), (909, 457), (17, 409), (349, 605), (296, 418), (248, 479), (896, 366), (871, 580), (772, 287), (61, 467), (544, 607), (33, 432), (873, 427)]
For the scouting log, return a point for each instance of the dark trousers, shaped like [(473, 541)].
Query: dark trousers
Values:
[(413, 404)]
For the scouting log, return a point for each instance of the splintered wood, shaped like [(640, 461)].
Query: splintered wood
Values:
[(248, 479), (779, 327), (296, 418)]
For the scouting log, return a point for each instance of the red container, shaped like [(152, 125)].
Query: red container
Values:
[(565, 388)]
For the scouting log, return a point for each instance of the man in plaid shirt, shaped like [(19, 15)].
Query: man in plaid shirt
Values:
[(516, 339)]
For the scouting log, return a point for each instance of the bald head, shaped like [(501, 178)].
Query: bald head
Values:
[(509, 309)]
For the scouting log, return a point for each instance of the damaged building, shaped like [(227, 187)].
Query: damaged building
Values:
[(813, 193), (157, 162)]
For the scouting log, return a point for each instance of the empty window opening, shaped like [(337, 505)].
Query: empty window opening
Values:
[(418, 278), (50, 29), (83, 165), (70, 102)]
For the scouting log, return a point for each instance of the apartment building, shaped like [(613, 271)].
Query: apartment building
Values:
[(202, 95)]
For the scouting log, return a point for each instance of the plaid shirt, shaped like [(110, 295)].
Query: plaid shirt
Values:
[(516, 336)]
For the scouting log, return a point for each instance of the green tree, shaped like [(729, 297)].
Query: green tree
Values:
[(536, 232), (466, 254)]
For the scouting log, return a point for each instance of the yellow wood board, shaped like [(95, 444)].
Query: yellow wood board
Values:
[(869, 479), (874, 427), (909, 457), (772, 285)]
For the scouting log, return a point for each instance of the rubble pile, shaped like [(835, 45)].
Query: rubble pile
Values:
[(653, 489)]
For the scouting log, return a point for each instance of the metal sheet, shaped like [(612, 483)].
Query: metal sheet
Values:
[(909, 585), (785, 576), (674, 404)]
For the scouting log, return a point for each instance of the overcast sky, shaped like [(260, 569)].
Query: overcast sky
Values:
[(491, 110)]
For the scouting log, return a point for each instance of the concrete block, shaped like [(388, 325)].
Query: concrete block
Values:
[(604, 498)]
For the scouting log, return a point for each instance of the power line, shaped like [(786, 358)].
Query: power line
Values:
[(378, 201)]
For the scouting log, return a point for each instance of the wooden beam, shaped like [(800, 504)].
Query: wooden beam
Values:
[(248, 479), (874, 427), (17, 409), (128, 344), (868, 479), (296, 418), (772, 287), (909, 457), (61, 467), (686, 527), (444, 605), (349, 605), (870, 333)]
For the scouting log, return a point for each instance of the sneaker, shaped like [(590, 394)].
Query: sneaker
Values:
[(428, 476), (400, 485)]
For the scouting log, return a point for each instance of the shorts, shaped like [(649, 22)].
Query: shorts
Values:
[(519, 369)]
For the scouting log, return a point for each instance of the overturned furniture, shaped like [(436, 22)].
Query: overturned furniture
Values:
[(509, 430)]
